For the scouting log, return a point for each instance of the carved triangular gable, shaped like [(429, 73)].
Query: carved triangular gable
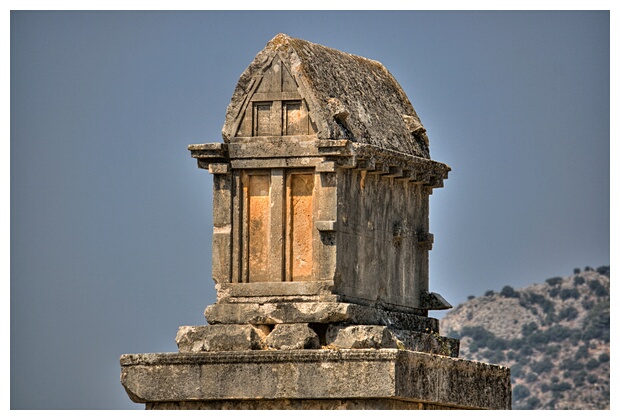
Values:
[(273, 106)]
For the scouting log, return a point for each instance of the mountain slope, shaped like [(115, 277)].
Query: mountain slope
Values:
[(554, 336)]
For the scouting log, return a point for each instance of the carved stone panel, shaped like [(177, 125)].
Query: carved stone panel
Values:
[(258, 215), (274, 226), (262, 119), (275, 107), (299, 227)]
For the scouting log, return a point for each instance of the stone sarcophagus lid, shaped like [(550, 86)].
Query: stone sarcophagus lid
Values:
[(320, 253), (322, 184)]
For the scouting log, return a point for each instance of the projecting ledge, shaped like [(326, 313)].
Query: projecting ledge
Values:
[(276, 288), (315, 374)]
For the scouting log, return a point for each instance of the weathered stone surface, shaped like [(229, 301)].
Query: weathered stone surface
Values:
[(224, 337), (371, 336), (315, 312), (274, 147), (294, 162), (288, 404), (320, 239), (324, 176), (379, 221), (219, 338), (428, 343), (233, 292), (281, 298), (316, 374), (360, 337), (293, 337), (347, 96)]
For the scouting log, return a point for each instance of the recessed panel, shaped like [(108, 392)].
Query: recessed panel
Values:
[(300, 232), (272, 78), (258, 228), (288, 84), (293, 119), (262, 119)]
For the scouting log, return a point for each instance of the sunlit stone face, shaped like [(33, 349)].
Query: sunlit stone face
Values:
[(277, 220)]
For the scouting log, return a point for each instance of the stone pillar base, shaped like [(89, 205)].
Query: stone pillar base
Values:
[(332, 404), (313, 379)]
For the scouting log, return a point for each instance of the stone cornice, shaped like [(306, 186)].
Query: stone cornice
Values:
[(335, 153)]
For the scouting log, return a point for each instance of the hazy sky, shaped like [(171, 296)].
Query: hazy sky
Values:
[(111, 218)]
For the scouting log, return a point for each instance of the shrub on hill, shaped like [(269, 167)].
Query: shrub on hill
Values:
[(554, 281), (568, 313), (603, 270), (569, 294), (596, 324), (509, 292), (598, 289)]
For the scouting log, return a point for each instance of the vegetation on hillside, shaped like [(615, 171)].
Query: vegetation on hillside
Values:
[(554, 337)]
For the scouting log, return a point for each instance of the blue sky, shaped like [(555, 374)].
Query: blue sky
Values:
[(111, 219)]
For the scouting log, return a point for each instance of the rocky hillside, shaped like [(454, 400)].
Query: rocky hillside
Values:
[(554, 336)]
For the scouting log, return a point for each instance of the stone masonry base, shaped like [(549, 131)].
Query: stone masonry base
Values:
[(324, 404), (313, 379)]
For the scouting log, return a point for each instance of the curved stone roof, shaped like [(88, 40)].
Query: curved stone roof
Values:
[(348, 97)]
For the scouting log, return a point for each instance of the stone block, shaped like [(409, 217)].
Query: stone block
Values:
[(373, 336), (219, 338), (290, 404), (326, 225), (270, 289), (326, 167), (219, 168), (291, 162), (298, 146), (220, 254), (360, 337), (369, 374), (315, 312), (292, 337), (222, 190), (428, 343)]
